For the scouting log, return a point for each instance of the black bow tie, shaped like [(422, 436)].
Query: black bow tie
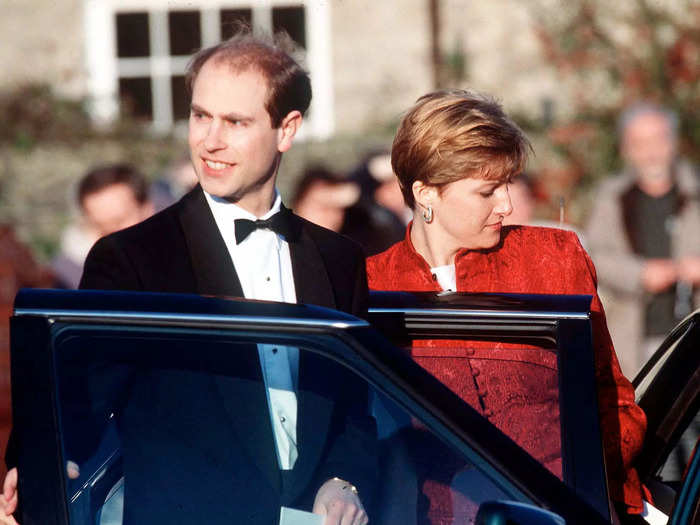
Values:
[(278, 223)]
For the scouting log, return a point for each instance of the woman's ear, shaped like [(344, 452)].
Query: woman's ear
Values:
[(425, 195)]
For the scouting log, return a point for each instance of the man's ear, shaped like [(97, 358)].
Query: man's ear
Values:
[(288, 129), (424, 194)]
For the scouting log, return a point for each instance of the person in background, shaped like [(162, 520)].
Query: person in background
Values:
[(454, 154), (643, 235), (178, 178), (110, 198), (523, 197), (379, 217), (323, 197)]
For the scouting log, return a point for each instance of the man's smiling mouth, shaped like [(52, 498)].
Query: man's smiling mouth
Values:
[(214, 165)]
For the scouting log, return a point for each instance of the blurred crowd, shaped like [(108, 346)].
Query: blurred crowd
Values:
[(642, 233)]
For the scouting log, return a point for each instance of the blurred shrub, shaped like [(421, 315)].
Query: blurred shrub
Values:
[(31, 114)]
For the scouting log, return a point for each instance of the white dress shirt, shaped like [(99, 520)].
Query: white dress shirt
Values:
[(446, 277), (264, 267)]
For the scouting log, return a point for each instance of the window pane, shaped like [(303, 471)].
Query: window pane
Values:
[(674, 468), (514, 386), (291, 20), (185, 32), (181, 99), (183, 427), (135, 97), (229, 19), (132, 35)]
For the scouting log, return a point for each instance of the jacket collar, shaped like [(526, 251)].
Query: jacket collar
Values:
[(213, 268)]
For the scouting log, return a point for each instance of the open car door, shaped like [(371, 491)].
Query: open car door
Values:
[(668, 390)]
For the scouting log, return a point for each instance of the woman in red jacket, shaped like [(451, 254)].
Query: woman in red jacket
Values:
[(454, 154)]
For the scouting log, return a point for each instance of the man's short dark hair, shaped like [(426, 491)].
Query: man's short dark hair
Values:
[(102, 177), (289, 85)]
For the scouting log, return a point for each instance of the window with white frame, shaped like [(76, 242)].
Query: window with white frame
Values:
[(137, 52)]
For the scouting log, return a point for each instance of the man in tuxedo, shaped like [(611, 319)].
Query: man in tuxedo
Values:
[(232, 236)]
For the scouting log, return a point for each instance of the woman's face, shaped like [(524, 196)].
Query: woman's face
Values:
[(471, 211)]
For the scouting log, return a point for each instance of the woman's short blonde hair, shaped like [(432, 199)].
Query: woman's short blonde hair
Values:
[(454, 134)]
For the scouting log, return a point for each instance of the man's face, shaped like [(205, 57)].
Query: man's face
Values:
[(113, 208), (648, 147), (234, 148)]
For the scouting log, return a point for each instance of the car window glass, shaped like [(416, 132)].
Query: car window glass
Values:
[(167, 425), (644, 380), (515, 386), (673, 469)]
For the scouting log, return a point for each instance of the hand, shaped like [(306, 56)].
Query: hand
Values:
[(7, 520), (658, 275), (8, 500), (689, 270), (339, 502)]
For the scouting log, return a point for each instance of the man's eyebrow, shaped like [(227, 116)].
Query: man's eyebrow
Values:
[(229, 116), (197, 109), (237, 116)]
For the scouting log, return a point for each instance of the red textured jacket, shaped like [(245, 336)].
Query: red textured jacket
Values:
[(525, 406)]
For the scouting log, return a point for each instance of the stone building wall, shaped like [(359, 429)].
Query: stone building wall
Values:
[(42, 42), (381, 60), (503, 57), (380, 53)]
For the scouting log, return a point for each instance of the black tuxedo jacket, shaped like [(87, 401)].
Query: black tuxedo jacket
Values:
[(166, 429), (180, 250)]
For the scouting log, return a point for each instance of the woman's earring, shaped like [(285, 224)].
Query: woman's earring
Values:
[(428, 215)]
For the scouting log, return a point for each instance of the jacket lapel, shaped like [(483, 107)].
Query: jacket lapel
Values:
[(311, 281), (213, 269)]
